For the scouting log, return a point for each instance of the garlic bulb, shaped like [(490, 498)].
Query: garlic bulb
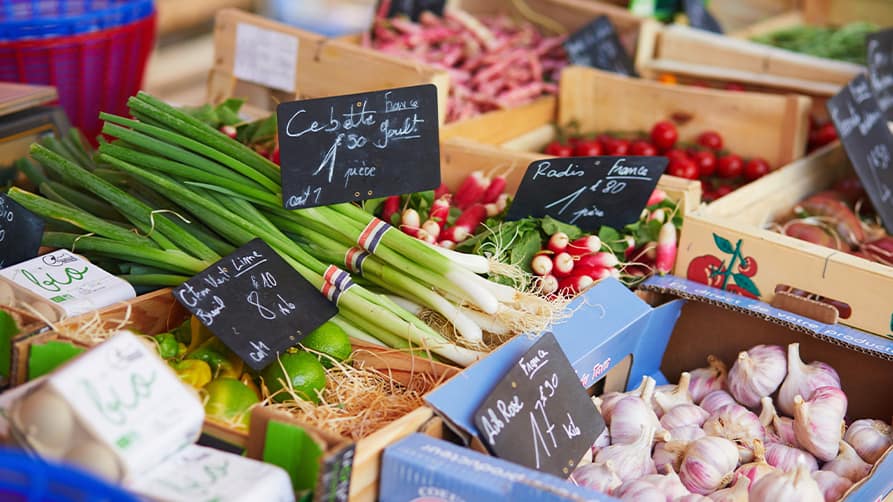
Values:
[(684, 415), (669, 484), (708, 464), (640, 491), (870, 438), (735, 493), (739, 425), (668, 396), (631, 461), (669, 454), (598, 476), (778, 429), (803, 379), (758, 468), (606, 402), (831, 485), (687, 434), (779, 486), (818, 422), (603, 440), (787, 458), (706, 380), (716, 400), (757, 373), (629, 416), (848, 464), (693, 497)]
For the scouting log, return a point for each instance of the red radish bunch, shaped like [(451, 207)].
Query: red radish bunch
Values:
[(262, 149), (494, 62), (567, 267), (478, 198)]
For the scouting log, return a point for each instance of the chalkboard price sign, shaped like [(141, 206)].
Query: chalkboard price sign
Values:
[(334, 482), (413, 8), (20, 232), (868, 142), (880, 69), (588, 191), (596, 45), (539, 415), (699, 17), (359, 146), (255, 302)]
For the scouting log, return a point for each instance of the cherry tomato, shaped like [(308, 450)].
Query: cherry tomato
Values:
[(730, 166), (710, 139), (590, 148), (559, 149), (734, 86), (722, 191), (683, 168), (619, 147), (706, 162), (664, 135), (676, 154), (573, 141), (755, 168), (823, 135), (640, 147)]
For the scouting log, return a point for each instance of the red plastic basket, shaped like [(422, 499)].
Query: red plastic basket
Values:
[(92, 72)]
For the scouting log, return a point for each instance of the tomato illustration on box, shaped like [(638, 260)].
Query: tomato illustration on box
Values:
[(734, 276)]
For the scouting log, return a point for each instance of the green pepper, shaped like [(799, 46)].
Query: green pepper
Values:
[(168, 347)]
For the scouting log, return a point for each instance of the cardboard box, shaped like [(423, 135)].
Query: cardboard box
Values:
[(738, 222), (663, 338)]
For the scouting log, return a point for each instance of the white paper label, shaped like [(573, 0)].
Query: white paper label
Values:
[(69, 281), (199, 474), (129, 399), (266, 57)]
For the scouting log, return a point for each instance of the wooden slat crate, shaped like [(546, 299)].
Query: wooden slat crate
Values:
[(741, 219), (823, 13)]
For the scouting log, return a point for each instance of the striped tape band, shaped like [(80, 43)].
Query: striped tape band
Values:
[(371, 236), (354, 259)]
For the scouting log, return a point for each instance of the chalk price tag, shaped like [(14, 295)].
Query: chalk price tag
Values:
[(539, 415), (255, 302), (20, 232), (596, 45), (414, 8), (334, 482), (880, 69), (699, 17), (868, 142), (359, 146), (588, 191)]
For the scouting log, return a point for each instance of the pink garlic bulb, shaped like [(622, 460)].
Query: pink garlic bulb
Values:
[(818, 422), (684, 415), (758, 468), (803, 379), (778, 429), (739, 425), (606, 402), (786, 486), (597, 476), (706, 380), (671, 452), (848, 464), (668, 396), (870, 438), (640, 491), (669, 484), (716, 400), (603, 440), (687, 434), (708, 464), (787, 458), (738, 492), (630, 415), (757, 373), (831, 485), (693, 497), (630, 461)]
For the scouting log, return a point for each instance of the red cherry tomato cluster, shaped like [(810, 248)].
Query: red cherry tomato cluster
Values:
[(719, 170), (821, 132)]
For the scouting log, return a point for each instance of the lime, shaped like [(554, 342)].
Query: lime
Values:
[(302, 369), (230, 400), (331, 340)]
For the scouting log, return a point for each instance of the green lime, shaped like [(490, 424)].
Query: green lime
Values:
[(302, 369), (229, 399), (331, 340)]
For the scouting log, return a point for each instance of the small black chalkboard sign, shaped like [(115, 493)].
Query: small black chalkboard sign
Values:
[(20, 232), (255, 302), (359, 146), (868, 142), (699, 17), (414, 8), (596, 45), (588, 191), (880, 69), (539, 415), (334, 482)]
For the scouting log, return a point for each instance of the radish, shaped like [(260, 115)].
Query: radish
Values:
[(549, 284), (466, 223), (471, 191), (446, 244), (494, 208), (584, 245), (440, 210), (665, 256), (390, 207), (596, 273), (657, 196), (562, 265), (432, 228), (229, 130), (574, 284), (658, 214), (630, 247), (409, 219), (441, 191), (541, 264), (494, 189), (558, 242), (601, 259)]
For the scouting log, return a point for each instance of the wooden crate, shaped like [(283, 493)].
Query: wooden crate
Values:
[(823, 13), (325, 67), (753, 124), (741, 217)]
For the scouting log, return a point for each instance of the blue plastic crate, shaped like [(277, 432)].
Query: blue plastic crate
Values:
[(36, 19)]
